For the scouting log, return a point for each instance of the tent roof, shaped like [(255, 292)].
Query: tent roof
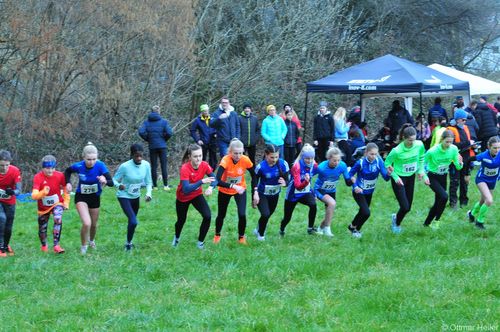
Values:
[(477, 85), (387, 74)]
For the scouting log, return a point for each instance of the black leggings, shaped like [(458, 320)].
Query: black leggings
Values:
[(309, 200), (364, 209), (154, 154), (404, 195), (438, 185), (267, 206), (200, 204), (346, 150), (223, 202), (130, 207), (7, 213)]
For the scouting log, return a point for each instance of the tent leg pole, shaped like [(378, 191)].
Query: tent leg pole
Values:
[(305, 116)]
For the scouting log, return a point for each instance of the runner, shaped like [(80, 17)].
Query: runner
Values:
[(325, 188), (271, 174), (93, 175), (47, 187), (486, 179), (128, 179), (366, 170), (300, 190), (189, 191), (231, 182), (10, 186)]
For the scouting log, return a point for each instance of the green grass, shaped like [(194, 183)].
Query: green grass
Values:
[(423, 279)]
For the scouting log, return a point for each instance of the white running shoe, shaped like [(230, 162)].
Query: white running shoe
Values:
[(327, 231), (175, 242), (320, 230), (92, 244), (200, 245), (356, 234), (83, 250)]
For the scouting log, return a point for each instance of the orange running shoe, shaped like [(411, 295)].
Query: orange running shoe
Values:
[(3, 254), (243, 240), (44, 248), (216, 239), (10, 252), (58, 249)]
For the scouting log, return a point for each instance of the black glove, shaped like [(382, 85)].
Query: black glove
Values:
[(10, 192)]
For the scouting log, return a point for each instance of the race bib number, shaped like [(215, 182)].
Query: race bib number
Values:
[(3, 195), (134, 189), (305, 190), (272, 190), (329, 185), (442, 169), (50, 200), (490, 171), (88, 188), (368, 184), (410, 168), (235, 180)]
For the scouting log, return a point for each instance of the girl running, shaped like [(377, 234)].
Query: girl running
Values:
[(10, 186), (486, 179), (404, 161), (299, 188), (438, 160), (231, 180), (93, 175), (128, 179), (366, 170), (271, 174), (189, 191), (325, 188), (47, 187)]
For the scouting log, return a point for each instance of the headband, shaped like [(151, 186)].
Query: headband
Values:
[(49, 164), (308, 154)]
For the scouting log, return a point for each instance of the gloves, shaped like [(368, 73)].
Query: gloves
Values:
[(10, 192)]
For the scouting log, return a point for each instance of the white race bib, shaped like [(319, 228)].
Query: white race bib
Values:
[(329, 185), (410, 168), (442, 169), (368, 184), (88, 188), (50, 200), (305, 190), (3, 195), (134, 188), (272, 190), (235, 180), (490, 171)]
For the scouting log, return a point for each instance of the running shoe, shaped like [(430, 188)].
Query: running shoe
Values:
[(320, 230), (58, 249), (200, 245), (129, 247), (83, 250), (3, 253), (167, 188), (175, 242), (394, 226), (282, 233), (216, 239), (311, 230), (9, 251), (480, 225), (436, 224), (243, 240), (472, 219), (259, 238), (44, 248), (92, 244), (356, 234), (327, 231)]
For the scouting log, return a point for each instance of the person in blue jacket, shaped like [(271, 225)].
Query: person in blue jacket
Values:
[(436, 111), (205, 136), (225, 121), (274, 129), (325, 188), (156, 131), (366, 171)]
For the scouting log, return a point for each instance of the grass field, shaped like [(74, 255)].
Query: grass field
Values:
[(420, 280)]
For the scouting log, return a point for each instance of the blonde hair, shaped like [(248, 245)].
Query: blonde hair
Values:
[(89, 149), (339, 114), (235, 144), (333, 151), (306, 148), (270, 107)]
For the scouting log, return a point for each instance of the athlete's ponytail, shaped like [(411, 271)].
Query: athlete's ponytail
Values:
[(189, 151)]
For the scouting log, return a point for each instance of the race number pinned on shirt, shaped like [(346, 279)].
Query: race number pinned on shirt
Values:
[(442, 170), (3, 194), (329, 185), (50, 200), (134, 188), (410, 168), (303, 191), (88, 188), (272, 190), (490, 171), (235, 180), (368, 184)]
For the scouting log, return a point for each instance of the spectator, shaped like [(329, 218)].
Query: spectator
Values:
[(436, 111), (226, 123), (471, 120), (397, 117), (423, 130), (249, 131), (341, 134), (459, 103), (487, 122), (355, 116), (323, 131), (497, 104), (156, 131), (295, 119), (274, 129), (290, 138), (484, 100), (205, 136)]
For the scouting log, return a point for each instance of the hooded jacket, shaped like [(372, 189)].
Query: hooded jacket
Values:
[(249, 129), (274, 130), (292, 134), (200, 130), (156, 131), (227, 128), (324, 127), (486, 120)]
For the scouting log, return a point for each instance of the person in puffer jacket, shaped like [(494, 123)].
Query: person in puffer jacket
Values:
[(323, 131), (274, 129), (226, 122), (249, 131), (156, 131), (487, 121)]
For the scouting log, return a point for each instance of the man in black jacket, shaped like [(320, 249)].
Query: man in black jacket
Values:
[(323, 131), (397, 117), (487, 121), (249, 131)]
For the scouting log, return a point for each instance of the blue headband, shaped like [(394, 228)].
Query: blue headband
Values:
[(308, 154), (49, 164)]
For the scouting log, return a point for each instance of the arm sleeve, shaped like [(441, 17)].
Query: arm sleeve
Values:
[(214, 119), (118, 176), (143, 132), (263, 131), (213, 184), (168, 131), (218, 177), (456, 162), (421, 155), (149, 182), (194, 131), (297, 183), (389, 161), (354, 169), (67, 174), (332, 130), (109, 180), (347, 178), (383, 170), (284, 129), (188, 188), (237, 125)]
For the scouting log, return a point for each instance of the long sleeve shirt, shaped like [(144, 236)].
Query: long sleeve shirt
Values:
[(133, 176)]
